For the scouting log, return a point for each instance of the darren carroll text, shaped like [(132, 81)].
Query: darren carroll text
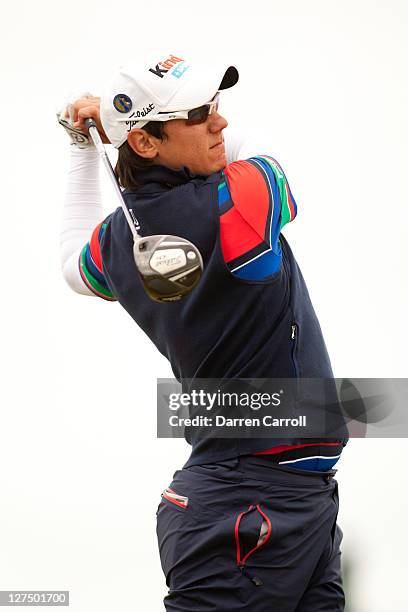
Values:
[(221, 421)]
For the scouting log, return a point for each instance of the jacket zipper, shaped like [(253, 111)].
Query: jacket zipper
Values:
[(294, 336)]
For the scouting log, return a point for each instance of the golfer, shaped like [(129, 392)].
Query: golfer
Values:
[(247, 524)]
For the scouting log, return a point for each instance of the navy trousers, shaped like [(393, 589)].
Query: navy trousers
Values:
[(248, 534)]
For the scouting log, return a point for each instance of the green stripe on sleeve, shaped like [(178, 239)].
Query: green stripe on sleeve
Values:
[(94, 285)]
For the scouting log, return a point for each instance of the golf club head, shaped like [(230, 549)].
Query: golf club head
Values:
[(170, 266)]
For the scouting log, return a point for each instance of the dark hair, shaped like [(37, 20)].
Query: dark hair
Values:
[(130, 163)]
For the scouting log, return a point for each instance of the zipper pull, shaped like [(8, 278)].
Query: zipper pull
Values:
[(257, 581), (294, 328)]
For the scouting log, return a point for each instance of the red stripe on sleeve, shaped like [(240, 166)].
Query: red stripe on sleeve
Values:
[(237, 237), (95, 248), (249, 193)]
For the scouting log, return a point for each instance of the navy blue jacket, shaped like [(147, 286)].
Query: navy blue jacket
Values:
[(227, 327)]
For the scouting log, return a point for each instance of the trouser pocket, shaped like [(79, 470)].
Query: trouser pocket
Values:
[(171, 515), (181, 501), (187, 533), (252, 530)]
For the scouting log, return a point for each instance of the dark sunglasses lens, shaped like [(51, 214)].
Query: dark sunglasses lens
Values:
[(198, 115)]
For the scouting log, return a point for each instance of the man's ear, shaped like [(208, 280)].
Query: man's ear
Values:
[(142, 143)]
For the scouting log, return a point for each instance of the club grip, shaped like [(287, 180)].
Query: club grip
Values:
[(94, 134), (90, 123)]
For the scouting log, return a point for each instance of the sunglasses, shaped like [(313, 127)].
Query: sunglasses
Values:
[(198, 115)]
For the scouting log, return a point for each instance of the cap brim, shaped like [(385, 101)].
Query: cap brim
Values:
[(230, 78)]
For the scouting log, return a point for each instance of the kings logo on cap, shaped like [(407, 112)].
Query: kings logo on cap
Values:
[(122, 103)]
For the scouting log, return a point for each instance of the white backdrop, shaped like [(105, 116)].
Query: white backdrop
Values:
[(324, 82)]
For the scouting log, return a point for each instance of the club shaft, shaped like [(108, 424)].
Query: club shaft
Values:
[(106, 162)]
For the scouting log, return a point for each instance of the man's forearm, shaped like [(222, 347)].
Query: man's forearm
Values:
[(81, 213)]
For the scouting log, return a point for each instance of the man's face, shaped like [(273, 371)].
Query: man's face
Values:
[(199, 147)]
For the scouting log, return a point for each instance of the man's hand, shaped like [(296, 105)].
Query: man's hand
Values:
[(72, 118)]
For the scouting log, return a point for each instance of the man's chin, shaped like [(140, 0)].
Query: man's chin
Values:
[(212, 167), (220, 163)]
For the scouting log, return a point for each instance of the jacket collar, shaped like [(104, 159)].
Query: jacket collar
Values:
[(166, 177)]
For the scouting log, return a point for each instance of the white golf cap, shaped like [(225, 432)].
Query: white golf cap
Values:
[(144, 92)]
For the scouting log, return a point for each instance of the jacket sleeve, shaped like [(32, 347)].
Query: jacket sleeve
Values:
[(90, 264), (255, 202)]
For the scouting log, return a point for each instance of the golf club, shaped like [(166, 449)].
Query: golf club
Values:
[(169, 266)]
